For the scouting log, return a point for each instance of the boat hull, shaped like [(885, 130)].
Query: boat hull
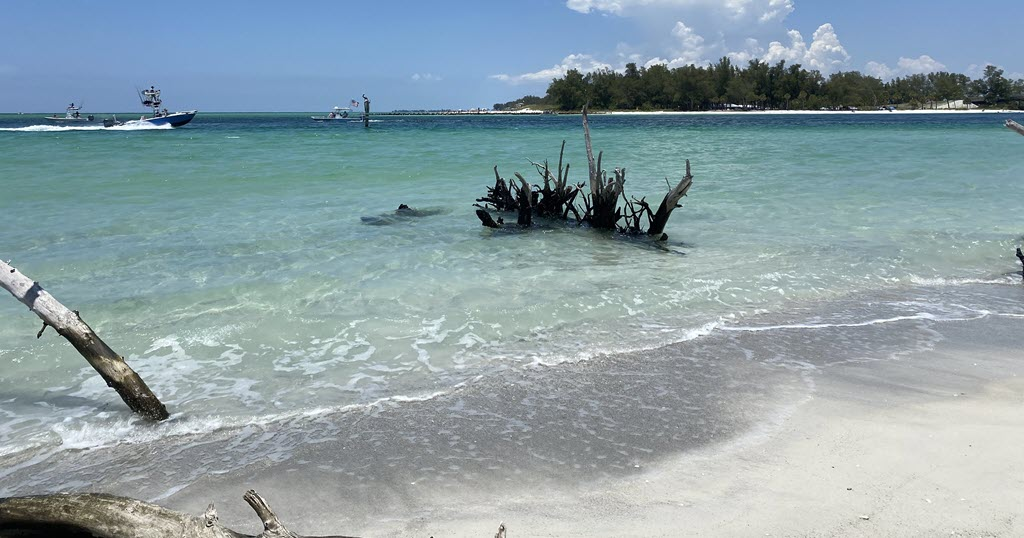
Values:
[(176, 119), (83, 119)]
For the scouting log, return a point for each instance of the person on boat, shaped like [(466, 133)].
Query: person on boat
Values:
[(331, 115)]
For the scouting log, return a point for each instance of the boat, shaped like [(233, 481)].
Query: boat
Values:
[(73, 114), (337, 113), (151, 98)]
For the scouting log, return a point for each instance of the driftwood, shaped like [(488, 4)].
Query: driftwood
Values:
[(670, 202), (109, 516), (69, 324), (556, 198), (1015, 126)]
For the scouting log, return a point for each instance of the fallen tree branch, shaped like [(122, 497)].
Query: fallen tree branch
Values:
[(111, 366), (670, 202), (110, 516), (1015, 126)]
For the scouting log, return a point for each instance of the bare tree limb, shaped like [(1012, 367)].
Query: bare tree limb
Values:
[(109, 516), (111, 366)]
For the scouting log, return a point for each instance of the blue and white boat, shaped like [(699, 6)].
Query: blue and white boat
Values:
[(151, 98)]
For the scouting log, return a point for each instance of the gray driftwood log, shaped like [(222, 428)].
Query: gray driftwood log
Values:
[(109, 516), (111, 366), (1015, 126)]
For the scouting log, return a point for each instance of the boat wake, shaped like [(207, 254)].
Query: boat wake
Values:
[(127, 126)]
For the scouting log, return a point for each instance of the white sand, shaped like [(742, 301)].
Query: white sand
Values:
[(931, 444), (928, 446)]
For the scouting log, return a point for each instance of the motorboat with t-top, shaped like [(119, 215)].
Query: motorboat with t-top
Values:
[(73, 114), (337, 113), (151, 98)]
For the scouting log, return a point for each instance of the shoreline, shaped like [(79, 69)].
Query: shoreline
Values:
[(923, 446), (899, 427), (799, 424)]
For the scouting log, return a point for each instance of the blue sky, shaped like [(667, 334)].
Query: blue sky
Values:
[(312, 55)]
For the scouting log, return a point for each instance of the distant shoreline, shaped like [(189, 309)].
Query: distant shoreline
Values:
[(608, 112)]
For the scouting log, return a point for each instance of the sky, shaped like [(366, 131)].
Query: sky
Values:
[(230, 55)]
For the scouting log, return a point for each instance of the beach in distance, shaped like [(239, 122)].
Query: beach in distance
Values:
[(826, 344)]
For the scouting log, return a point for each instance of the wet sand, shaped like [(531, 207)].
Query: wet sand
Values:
[(904, 428)]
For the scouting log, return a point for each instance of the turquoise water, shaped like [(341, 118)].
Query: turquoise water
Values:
[(252, 269)]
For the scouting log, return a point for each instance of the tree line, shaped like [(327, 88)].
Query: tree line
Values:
[(759, 85)]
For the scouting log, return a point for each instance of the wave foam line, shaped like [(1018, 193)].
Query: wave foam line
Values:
[(131, 431), (915, 317), (133, 125)]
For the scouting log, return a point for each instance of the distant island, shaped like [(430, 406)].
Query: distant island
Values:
[(760, 86)]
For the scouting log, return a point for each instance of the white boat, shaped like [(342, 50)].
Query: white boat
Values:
[(151, 98), (73, 114), (337, 113)]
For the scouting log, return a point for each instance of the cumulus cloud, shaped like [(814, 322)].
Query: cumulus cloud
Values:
[(759, 10), (921, 64), (690, 43), (425, 77), (826, 53), (905, 66), (733, 27), (583, 63), (880, 70)]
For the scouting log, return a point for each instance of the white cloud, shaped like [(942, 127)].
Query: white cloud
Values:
[(426, 77), (922, 64), (753, 50), (905, 66), (826, 53), (794, 53), (734, 25), (691, 46), (880, 70), (583, 63), (759, 10)]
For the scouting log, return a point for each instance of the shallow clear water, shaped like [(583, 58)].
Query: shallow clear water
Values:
[(252, 269)]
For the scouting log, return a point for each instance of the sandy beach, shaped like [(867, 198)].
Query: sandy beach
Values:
[(921, 443)]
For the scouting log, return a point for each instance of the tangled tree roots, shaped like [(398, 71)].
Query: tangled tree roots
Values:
[(556, 198)]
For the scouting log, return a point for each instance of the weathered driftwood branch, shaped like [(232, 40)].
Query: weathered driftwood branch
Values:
[(109, 516), (1015, 126), (111, 366), (670, 202), (525, 202)]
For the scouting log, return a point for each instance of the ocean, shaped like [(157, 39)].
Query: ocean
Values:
[(253, 270)]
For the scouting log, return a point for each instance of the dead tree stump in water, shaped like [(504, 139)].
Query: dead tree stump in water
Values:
[(109, 516), (111, 366), (601, 209)]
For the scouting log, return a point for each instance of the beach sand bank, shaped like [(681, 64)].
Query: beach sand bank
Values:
[(897, 426)]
